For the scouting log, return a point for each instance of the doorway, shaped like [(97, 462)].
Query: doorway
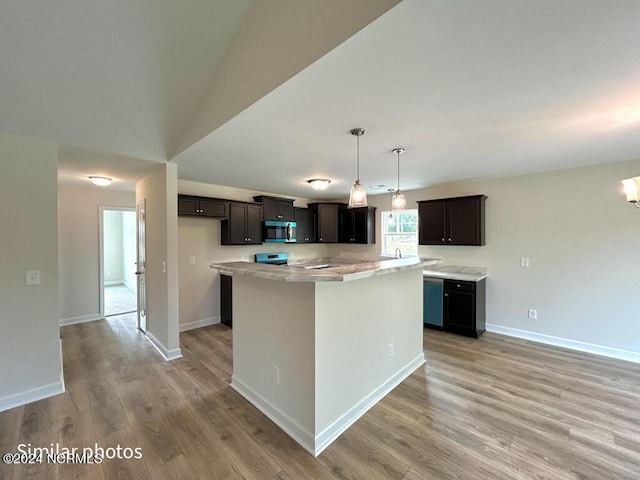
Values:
[(118, 283)]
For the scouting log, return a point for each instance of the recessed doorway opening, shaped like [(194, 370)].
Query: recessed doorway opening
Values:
[(118, 282)]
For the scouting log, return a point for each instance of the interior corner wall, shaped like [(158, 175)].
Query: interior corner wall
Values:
[(30, 354), (159, 190), (581, 237), (200, 238), (79, 247)]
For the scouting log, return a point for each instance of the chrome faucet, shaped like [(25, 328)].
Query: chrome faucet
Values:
[(398, 253)]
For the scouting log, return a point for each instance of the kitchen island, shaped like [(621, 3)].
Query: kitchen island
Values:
[(315, 348)]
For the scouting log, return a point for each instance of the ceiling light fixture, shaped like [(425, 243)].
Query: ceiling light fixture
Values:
[(358, 195), (398, 202), (100, 181), (631, 188), (319, 183)]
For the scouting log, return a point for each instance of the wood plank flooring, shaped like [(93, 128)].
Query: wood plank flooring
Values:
[(493, 408)]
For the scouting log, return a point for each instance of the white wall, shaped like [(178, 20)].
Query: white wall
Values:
[(30, 356), (582, 240), (159, 190), (113, 253), (79, 247), (200, 237)]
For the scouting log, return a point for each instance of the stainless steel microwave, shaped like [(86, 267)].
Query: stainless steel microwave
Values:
[(279, 231)]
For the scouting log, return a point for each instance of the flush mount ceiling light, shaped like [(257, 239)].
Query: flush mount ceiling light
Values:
[(100, 181), (398, 202), (319, 183), (631, 188), (358, 195)]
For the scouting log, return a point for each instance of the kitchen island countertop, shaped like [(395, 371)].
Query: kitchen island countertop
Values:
[(455, 272), (332, 269)]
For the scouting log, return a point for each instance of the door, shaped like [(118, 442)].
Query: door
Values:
[(141, 263)]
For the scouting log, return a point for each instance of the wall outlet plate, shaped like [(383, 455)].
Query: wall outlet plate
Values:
[(533, 314), (524, 261)]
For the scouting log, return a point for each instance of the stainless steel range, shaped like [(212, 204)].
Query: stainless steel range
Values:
[(278, 258)]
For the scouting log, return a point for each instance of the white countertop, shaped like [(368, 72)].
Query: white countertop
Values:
[(456, 272), (339, 270)]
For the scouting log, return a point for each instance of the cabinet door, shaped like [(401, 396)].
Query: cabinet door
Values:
[(253, 224), (213, 208), (226, 300), (300, 216), (311, 236), (345, 226), (364, 225), (270, 209), (286, 211), (236, 224), (431, 223), (463, 220), (327, 223), (187, 205)]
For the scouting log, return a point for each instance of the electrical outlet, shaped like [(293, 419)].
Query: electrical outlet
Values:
[(533, 314), (524, 262), (391, 349), (33, 277), (276, 375), (164, 267), (192, 260)]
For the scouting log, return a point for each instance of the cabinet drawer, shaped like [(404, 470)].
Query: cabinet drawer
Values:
[(459, 285)]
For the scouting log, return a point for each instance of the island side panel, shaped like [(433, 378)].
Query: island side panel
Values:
[(273, 324), (355, 323)]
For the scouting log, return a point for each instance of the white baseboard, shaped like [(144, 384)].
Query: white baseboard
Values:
[(205, 322), (31, 395), (113, 282), (296, 431), (315, 444), (566, 343), (167, 354), (81, 319), (333, 431)]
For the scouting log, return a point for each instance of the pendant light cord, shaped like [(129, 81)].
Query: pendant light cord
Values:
[(398, 154), (358, 160)]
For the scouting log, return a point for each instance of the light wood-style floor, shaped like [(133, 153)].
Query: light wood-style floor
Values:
[(493, 408)]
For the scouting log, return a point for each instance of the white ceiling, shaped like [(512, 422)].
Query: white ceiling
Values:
[(116, 76), (75, 165), (471, 89)]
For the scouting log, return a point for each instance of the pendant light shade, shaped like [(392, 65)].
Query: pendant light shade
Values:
[(398, 202), (358, 195)]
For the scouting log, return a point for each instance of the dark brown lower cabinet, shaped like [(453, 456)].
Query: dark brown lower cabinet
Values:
[(464, 307), (226, 300)]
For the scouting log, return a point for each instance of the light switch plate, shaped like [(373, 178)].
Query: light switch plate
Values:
[(33, 277)]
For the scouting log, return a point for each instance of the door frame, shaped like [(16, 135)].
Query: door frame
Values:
[(101, 210)]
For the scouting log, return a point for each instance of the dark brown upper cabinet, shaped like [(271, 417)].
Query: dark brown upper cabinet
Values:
[(190, 205), (327, 223), (243, 226), (452, 221), (357, 225), (276, 208), (305, 225)]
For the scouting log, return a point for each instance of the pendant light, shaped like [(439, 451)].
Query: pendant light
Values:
[(398, 202), (358, 196)]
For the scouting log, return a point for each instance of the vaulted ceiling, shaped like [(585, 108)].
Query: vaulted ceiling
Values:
[(261, 94)]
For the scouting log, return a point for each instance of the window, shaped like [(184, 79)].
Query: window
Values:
[(400, 230)]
